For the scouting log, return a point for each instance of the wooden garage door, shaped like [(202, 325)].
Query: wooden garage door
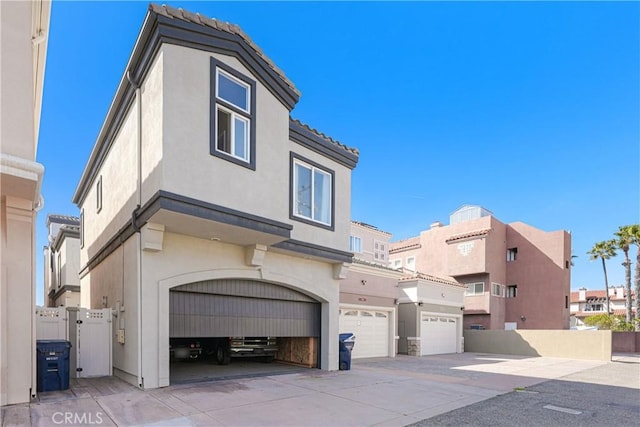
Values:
[(438, 335), (222, 308), (371, 328)]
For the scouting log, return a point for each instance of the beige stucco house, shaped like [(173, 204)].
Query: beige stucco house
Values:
[(369, 294), (23, 44), (516, 276), (62, 262), (206, 210)]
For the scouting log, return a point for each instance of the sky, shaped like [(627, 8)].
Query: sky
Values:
[(529, 109)]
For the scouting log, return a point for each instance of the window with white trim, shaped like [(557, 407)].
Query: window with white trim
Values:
[(82, 228), (411, 263), (232, 115), (475, 288), (355, 244), (512, 291), (497, 290), (99, 195), (396, 263), (380, 250), (312, 189), (512, 254)]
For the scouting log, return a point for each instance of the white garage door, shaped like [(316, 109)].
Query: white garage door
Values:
[(438, 335), (372, 331)]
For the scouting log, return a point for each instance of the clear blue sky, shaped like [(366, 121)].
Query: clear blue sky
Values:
[(531, 110)]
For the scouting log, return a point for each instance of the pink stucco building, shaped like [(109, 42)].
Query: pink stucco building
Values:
[(517, 276)]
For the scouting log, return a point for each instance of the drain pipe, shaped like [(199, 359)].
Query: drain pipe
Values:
[(138, 97)]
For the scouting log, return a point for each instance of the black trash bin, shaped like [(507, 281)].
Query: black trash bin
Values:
[(52, 365), (347, 341)]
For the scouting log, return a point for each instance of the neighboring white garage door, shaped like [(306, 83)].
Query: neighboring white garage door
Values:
[(438, 334), (371, 328)]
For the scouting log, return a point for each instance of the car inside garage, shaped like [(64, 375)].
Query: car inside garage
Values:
[(232, 328)]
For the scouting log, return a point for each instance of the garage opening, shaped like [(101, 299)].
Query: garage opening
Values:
[(235, 328)]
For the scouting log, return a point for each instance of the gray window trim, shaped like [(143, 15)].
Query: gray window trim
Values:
[(292, 157), (99, 195), (251, 116)]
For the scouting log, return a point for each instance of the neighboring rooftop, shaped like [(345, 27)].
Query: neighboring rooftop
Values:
[(372, 227), (467, 213), (62, 219)]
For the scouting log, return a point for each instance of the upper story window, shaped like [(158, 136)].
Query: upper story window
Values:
[(396, 263), (497, 290), (82, 228), (312, 192), (232, 115), (355, 244), (411, 263), (512, 254), (475, 288), (512, 291), (99, 195), (380, 250)]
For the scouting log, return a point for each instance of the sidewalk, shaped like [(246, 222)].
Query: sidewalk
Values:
[(384, 391)]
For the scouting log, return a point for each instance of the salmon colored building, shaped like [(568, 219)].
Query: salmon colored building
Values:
[(517, 276)]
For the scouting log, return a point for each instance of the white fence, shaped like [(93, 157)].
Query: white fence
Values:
[(89, 332)]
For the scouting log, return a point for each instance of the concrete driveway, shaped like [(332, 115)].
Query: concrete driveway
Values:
[(384, 391)]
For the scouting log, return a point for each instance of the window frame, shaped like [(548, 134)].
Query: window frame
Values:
[(500, 288), (512, 254), (515, 291), (295, 159), (467, 293), (82, 228), (99, 195), (380, 250), (353, 238), (247, 115), (412, 257)]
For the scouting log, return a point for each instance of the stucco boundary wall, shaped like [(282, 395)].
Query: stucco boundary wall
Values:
[(588, 345), (626, 342)]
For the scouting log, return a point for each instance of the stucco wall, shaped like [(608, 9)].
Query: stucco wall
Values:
[(590, 345), (17, 300), (542, 277), (185, 259)]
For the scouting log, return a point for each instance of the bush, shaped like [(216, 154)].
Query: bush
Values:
[(611, 322)]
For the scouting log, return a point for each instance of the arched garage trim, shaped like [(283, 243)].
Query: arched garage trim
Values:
[(165, 285)]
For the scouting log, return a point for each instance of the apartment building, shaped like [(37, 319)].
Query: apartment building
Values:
[(205, 209), (62, 262), (516, 276), (585, 303), (24, 29)]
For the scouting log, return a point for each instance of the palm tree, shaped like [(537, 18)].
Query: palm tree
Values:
[(623, 242), (634, 232), (603, 250)]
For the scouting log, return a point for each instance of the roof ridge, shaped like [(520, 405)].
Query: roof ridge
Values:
[(216, 24)]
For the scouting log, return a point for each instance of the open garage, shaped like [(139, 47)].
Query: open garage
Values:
[(223, 328)]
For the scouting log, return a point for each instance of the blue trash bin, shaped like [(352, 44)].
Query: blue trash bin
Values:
[(52, 365), (347, 341)]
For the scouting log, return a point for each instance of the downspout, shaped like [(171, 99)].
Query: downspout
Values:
[(138, 97)]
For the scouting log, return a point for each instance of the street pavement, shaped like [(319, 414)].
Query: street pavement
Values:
[(455, 389), (607, 395)]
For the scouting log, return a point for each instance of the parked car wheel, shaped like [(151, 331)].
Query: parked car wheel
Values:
[(222, 356)]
